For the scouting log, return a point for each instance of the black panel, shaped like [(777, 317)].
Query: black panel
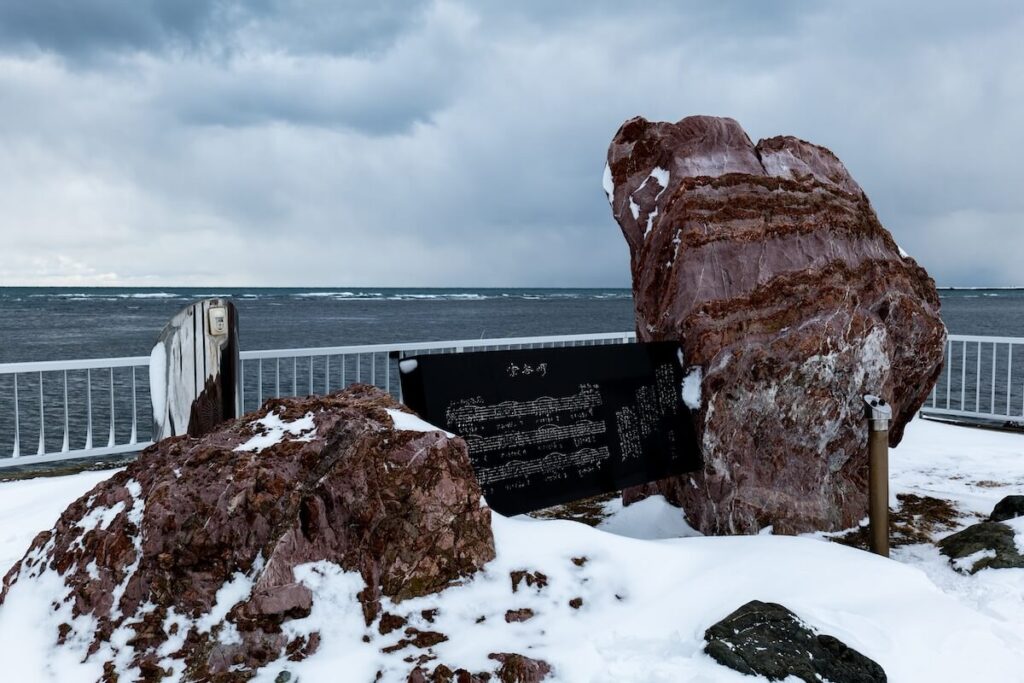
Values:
[(547, 426)]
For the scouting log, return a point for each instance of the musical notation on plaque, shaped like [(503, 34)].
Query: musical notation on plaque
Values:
[(588, 420)]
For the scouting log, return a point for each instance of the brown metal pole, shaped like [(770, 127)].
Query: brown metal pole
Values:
[(879, 414)]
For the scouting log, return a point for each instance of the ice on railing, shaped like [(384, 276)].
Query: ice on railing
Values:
[(158, 381)]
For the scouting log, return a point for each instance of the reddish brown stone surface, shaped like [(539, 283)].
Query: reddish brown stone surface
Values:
[(145, 552), (769, 265), (519, 669), (513, 668)]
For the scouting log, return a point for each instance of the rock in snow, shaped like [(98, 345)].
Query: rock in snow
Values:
[(769, 265), (983, 546), (769, 640), (1009, 507), (200, 559)]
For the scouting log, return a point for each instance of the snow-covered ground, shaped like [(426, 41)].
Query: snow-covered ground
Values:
[(650, 587)]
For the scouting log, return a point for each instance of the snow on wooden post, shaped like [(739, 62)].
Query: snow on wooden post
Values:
[(879, 413), (194, 370)]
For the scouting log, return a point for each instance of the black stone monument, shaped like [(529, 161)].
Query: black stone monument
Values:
[(548, 426)]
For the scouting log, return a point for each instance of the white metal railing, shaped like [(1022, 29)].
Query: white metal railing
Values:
[(114, 392), (983, 378), (89, 396), (283, 372)]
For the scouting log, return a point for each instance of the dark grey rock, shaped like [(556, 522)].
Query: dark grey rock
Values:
[(1008, 508), (995, 537), (764, 638)]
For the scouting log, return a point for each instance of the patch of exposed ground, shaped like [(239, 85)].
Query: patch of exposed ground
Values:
[(589, 511), (917, 519)]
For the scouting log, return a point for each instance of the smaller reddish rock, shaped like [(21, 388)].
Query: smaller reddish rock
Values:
[(515, 615), (538, 579), (390, 622), (519, 669)]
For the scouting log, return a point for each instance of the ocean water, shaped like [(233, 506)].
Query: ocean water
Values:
[(45, 324), (63, 323)]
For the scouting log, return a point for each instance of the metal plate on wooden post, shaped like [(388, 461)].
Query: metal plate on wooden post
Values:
[(194, 370), (548, 426)]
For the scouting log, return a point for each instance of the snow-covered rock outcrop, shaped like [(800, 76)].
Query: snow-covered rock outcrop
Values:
[(218, 557), (769, 264)]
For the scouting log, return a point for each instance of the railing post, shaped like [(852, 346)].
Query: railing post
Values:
[(878, 413), (241, 388), (88, 409), (963, 375), (977, 381), (949, 371), (134, 438), (113, 433), (42, 419), (66, 443), (992, 400), (1009, 375), (17, 422)]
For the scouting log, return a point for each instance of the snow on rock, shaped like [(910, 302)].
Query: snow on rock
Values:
[(29, 505), (967, 563), (691, 388), (1017, 525), (607, 184), (272, 431), (407, 422), (662, 177)]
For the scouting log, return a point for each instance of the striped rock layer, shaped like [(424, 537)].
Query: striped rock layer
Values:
[(769, 265)]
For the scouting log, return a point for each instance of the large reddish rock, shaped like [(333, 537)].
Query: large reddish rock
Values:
[(769, 265), (184, 563)]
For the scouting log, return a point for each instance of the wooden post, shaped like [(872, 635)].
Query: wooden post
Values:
[(879, 413), (194, 370)]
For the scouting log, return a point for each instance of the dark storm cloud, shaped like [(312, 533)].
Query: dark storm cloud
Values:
[(445, 143), (81, 29), (77, 28)]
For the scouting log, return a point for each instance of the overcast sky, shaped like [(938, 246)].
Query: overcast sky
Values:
[(322, 142)]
